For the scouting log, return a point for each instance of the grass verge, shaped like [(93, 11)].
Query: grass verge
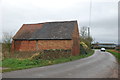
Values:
[(115, 53), (17, 64)]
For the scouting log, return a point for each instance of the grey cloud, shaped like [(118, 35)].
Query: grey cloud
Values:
[(104, 17)]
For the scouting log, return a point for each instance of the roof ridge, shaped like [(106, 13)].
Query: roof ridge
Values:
[(51, 22)]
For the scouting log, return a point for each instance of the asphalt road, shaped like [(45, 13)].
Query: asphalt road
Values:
[(99, 65)]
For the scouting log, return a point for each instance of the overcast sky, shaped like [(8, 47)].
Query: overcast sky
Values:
[(104, 15)]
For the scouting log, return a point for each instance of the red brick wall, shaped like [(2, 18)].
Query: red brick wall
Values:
[(24, 45), (76, 45), (41, 45), (54, 44)]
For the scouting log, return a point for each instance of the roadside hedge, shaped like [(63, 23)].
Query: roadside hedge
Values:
[(51, 54)]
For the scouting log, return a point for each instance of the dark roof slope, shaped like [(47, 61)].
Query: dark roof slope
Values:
[(48, 30)]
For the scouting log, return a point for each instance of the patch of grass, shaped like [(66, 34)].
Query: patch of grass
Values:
[(115, 53), (0, 63), (17, 64)]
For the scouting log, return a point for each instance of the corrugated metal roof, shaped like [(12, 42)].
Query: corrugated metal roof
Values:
[(48, 30)]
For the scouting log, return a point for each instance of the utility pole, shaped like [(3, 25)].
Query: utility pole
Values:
[(90, 20), (90, 13), (88, 31)]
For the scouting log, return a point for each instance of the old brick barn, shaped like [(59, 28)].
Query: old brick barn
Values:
[(48, 35)]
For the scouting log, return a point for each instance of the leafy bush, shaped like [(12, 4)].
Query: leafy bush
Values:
[(51, 54), (84, 45), (84, 49)]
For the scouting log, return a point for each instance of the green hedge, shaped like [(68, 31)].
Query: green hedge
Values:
[(51, 54), (84, 49)]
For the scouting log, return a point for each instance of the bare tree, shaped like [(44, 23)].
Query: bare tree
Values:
[(6, 38), (85, 36), (83, 32)]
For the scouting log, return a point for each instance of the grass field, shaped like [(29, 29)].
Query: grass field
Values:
[(17, 64)]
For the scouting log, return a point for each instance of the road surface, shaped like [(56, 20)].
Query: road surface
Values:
[(99, 65)]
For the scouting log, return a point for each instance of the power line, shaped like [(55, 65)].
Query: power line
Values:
[(88, 31)]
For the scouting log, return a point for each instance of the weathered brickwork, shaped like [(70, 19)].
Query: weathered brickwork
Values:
[(55, 44), (42, 45), (24, 45), (75, 46)]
